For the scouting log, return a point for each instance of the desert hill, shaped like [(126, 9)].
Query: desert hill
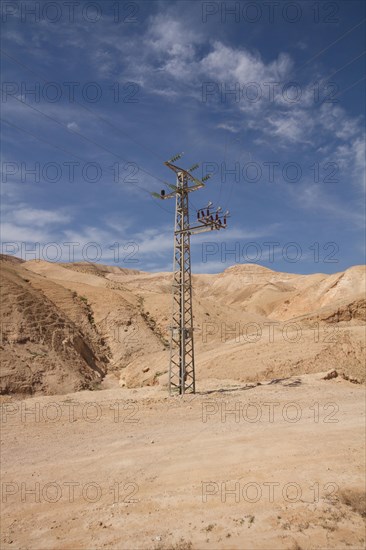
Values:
[(49, 343), (66, 326)]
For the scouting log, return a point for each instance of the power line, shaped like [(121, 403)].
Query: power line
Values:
[(84, 137), (321, 81), (330, 45), (352, 85), (344, 66), (38, 75), (75, 156), (318, 54), (41, 139)]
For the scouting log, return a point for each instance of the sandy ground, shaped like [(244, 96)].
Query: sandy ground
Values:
[(132, 468)]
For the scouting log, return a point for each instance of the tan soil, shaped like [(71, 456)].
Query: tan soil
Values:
[(179, 452)]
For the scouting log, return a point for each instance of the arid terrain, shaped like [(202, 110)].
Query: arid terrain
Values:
[(268, 454), (67, 327)]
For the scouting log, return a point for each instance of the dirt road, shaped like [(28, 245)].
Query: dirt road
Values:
[(276, 465)]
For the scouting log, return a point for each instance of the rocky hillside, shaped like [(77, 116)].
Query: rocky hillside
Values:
[(49, 341)]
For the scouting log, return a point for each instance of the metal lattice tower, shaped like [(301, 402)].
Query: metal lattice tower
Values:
[(181, 365)]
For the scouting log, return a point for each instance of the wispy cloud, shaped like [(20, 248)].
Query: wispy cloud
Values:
[(313, 197), (171, 54)]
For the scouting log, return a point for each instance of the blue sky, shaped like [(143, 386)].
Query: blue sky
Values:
[(134, 87)]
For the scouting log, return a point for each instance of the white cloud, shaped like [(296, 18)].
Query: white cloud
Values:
[(154, 242), (335, 120), (294, 126), (313, 197), (30, 225), (228, 127), (238, 65), (351, 159), (173, 58), (72, 126), (12, 232), (170, 37), (39, 218)]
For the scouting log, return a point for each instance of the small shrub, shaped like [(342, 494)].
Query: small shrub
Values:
[(355, 499)]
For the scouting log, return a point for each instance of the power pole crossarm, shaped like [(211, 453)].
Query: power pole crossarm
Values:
[(181, 366)]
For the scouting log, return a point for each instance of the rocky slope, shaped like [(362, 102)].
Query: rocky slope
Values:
[(49, 342)]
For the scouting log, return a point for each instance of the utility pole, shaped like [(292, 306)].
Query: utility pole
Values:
[(181, 365)]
